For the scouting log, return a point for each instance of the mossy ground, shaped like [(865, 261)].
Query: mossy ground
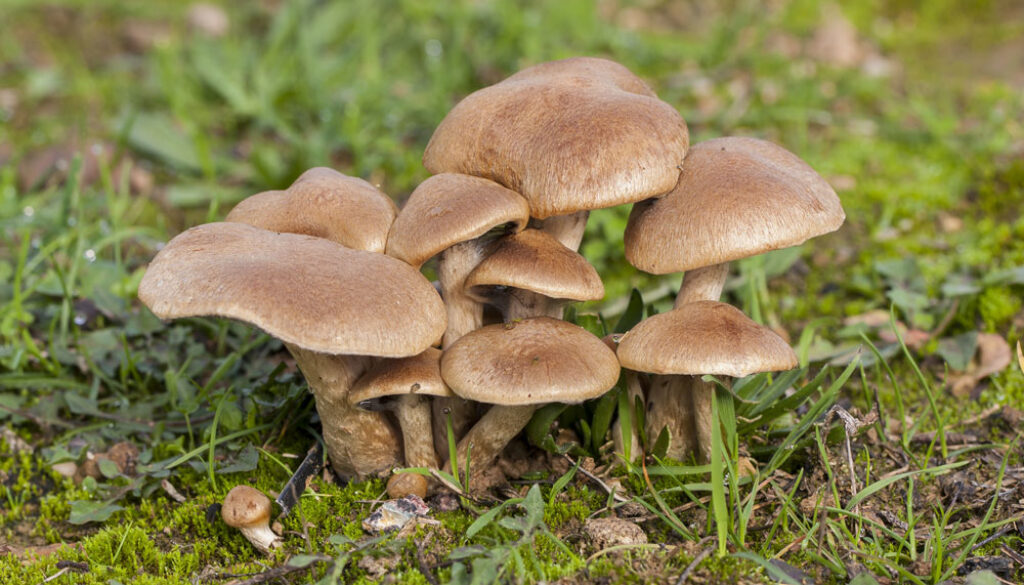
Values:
[(918, 125)]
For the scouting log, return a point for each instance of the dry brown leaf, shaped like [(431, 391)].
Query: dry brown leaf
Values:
[(993, 355), (1020, 356)]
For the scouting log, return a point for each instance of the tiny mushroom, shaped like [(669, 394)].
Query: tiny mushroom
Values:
[(332, 307), (570, 136), (518, 366), (248, 509)]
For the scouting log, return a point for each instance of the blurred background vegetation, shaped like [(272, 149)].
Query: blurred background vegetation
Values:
[(123, 123)]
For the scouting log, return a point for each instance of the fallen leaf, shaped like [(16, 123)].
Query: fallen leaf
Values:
[(993, 356)]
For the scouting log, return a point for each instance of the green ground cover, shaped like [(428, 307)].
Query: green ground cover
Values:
[(122, 124)]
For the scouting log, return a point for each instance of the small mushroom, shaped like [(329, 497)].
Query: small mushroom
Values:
[(518, 366), (703, 337), (248, 509), (332, 307), (736, 197), (570, 136), (403, 385), (532, 274)]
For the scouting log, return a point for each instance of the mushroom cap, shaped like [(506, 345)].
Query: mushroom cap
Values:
[(419, 374), (324, 203), (570, 135), (534, 260), (447, 209), (704, 337), (245, 506), (306, 291), (531, 361), (737, 197)]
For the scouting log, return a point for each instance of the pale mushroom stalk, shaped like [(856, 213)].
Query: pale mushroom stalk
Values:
[(414, 418), (683, 403), (567, 229), (465, 314), (359, 443), (499, 425)]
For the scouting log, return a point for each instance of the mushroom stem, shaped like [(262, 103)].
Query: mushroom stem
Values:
[(683, 403), (489, 436), (359, 443), (523, 304), (669, 406), (634, 390), (262, 537), (702, 284), (465, 314), (414, 416), (567, 229)]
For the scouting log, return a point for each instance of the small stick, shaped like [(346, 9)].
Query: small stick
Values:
[(597, 480), (693, 565)]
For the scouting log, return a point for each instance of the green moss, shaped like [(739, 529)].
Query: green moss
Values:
[(997, 306)]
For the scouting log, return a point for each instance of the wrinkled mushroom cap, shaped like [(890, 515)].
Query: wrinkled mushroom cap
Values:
[(419, 374), (737, 197), (324, 203), (449, 208), (245, 506), (306, 291), (531, 361), (570, 135), (535, 261), (704, 337)]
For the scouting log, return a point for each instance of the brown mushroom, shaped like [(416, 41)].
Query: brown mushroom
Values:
[(703, 337), (324, 203), (331, 305), (531, 274), (402, 386), (570, 136), (451, 215), (736, 197), (517, 366), (248, 509)]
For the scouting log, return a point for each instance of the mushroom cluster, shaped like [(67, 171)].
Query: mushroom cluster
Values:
[(332, 268)]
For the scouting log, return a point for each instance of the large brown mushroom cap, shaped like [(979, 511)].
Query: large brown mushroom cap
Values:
[(532, 361), (704, 337), (449, 208), (306, 291), (535, 261), (737, 197), (324, 203), (582, 133)]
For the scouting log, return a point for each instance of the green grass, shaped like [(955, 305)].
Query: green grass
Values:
[(926, 159)]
